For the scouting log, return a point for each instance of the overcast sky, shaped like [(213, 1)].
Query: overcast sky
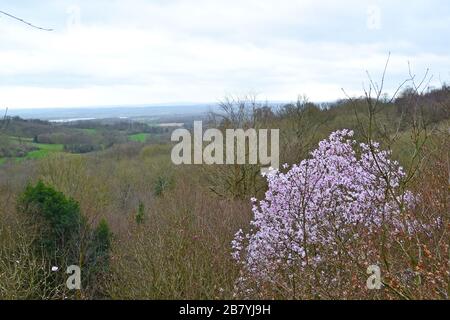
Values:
[(124, 52)]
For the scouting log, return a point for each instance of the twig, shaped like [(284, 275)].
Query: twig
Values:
[(23, 21)]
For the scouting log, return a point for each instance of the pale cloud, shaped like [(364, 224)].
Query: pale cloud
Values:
[(137, 52)]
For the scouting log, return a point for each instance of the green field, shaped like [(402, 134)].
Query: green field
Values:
[(139, 137), (46, 149), (43, 149), (89, 131), (49, 147)]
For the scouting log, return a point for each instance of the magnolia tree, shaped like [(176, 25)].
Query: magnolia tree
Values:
[(316, 210)]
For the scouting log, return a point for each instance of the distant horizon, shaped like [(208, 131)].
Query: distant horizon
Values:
[(105, 112), (150, 105), (124, 111), (101, 106)]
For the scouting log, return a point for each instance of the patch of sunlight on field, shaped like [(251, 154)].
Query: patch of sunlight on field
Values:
[(37, 154), (89, 131), (139, 137), (44, 150), (49, 147)]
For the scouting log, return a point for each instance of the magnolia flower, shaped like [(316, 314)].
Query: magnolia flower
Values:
[(319, 201)]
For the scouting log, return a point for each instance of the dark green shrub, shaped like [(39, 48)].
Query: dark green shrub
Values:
[(80, 148), (98, 256), (102, 241), (63, 235), (162, 184), (58, 220), (140, 216)]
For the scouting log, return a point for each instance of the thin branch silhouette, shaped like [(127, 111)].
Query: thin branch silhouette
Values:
[(23, 21), (3, 121)]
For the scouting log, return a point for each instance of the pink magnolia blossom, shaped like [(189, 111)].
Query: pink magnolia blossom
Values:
[(319, 203)]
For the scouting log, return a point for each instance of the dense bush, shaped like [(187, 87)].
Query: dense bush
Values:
[(181, 250), (58, 219), (79, 148), (63, 236)]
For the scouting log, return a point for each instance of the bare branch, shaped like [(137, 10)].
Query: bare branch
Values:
[(3, 125), (23, 21)]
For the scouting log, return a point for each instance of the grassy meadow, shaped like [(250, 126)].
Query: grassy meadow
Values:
[(38, 150), (139, 137)]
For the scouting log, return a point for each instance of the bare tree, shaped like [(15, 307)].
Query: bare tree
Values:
[(419, 131), (238, 180)]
